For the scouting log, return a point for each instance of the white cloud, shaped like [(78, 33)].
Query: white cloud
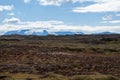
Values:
[(55, 2), (112, 21), (107, 17), (11, 14), (49, 2), (12, 20), (53, 26), (59, 2), (27, 1), (100, 6), (86, 29), (7, 7)]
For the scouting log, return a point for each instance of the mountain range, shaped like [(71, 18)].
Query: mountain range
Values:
[(45, 33)]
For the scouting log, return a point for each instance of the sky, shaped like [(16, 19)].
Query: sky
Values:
[(88, 16)]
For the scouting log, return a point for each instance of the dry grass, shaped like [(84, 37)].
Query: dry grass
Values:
[(64, 56), (52, 76)]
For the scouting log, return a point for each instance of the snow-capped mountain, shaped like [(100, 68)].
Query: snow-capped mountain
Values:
[(45, 33), (26, 32), (19, 32), (41, 33)]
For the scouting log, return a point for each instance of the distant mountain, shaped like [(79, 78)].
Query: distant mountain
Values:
[(26, 32), (19, 32), (44, 33), (105, 33), (79, 33), (68, 33), (65, 33)]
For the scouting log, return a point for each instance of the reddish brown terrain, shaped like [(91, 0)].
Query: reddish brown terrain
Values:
[(61, 55)]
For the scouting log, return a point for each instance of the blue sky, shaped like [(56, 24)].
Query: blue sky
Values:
[(88, 16)]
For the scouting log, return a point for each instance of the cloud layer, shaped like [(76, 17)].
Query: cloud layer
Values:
[(7, 7), (27, 1), (100, 6), (52, 26), (56, 2), (12, 20)]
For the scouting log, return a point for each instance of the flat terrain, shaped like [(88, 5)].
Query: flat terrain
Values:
[(78, 57)]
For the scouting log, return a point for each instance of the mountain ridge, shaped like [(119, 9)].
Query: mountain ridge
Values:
[(45, 33)]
